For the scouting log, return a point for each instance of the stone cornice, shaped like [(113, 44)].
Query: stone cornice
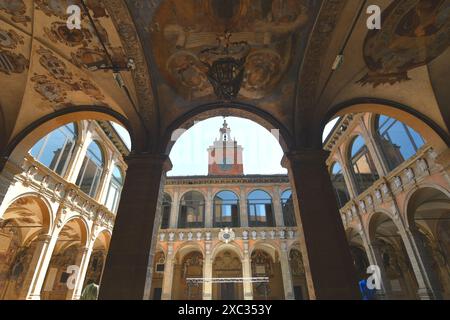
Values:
[(205, 180)]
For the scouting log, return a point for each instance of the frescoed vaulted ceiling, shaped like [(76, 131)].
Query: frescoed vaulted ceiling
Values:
[(288, 80)]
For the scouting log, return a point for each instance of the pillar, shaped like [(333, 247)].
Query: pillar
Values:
[(374, 150), (286, 272), (247, 273), (85, 258), (243, 215), (207, 272), (168, 274), (78, 156), (208, 209), (375, 258), (278, 210), (174, 210), (129, 264), (332, 274)]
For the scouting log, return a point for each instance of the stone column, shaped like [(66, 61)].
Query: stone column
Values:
[(375, 258), (243, 215), (78, 156), (329, 264), (421, 262), (207, 272), (174, 210), (86, 253), (374, 150), (348, 177), (208, 209), (168, 274), (278, 210), (105, 182), (286, 272), (39, 265), (129, 264), (247, 273)]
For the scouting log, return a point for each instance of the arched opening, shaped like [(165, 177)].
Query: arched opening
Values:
[(61, 275), (428, 212), (192, 210), (95, 267), (397, 273), (227, 264), (298, 275), (91, 170), (188, 265), (24, 221), (226, 209), (158, 275), (166, 208), (56, 149), (362, 165), (339, 184), (114, 189), (359, 254), (263, 265), (397, 141), (287, 205), (260, 209)]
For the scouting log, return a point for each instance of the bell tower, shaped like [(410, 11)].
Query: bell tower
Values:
[(225, 155)]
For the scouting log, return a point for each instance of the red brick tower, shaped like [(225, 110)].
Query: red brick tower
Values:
[(225, 155)]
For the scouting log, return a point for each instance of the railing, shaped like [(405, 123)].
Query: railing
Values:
[(47, 183), (384, 189)]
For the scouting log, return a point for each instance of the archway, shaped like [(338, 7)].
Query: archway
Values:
[(158, 275), (359, 254), (397, 273), (267, 265), (24, 221), (298, 276), (428, 211), (227, 264), (188, 265), (96, 264), (59, 282)]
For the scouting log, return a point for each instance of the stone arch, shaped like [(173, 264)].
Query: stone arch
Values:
[(186, 248), (227, 246), (359, 254), (188, 263), (227, 262), (429, 129), (265, 263), (269, 246)]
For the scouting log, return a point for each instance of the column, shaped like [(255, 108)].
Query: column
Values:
[(376, 153), (278, 210), (85, 258), (6, 183), (286, 272), (331, 273), (421, 262), (247, 273), (129, 264), (168, 274), (348, 178), (39, 265), (207, 272), (78, 156), (208, 209), (375, 258), (105, 182), (243, 215), (174, 210)]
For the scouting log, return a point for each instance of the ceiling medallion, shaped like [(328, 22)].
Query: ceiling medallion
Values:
[(226, 235), (225, 63)]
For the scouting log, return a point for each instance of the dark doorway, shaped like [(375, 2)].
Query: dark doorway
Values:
[(298, 295), (227, 291)]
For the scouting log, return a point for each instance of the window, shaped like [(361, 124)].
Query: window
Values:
[(398, 141), (363, 168), (115, 189), (338, 181), (91, 170), (260, 209), (192, 210), (165, 211), (288, 209), (226, 209), (55, 149)]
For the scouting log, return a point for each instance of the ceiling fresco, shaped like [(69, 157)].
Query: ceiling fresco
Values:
[(181, 30), (413, 34)]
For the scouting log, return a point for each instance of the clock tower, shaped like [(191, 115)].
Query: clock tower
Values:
[(225, 155)]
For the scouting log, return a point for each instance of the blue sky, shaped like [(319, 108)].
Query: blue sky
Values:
[(262, 153)]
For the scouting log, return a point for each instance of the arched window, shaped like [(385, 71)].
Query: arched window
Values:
[(91, 170), (55, 149), (114, 190), (398, 141), (288, 208), (363, 168), (340, 187), (165, 211), (192, 210), (260, 213), (226, 209)]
